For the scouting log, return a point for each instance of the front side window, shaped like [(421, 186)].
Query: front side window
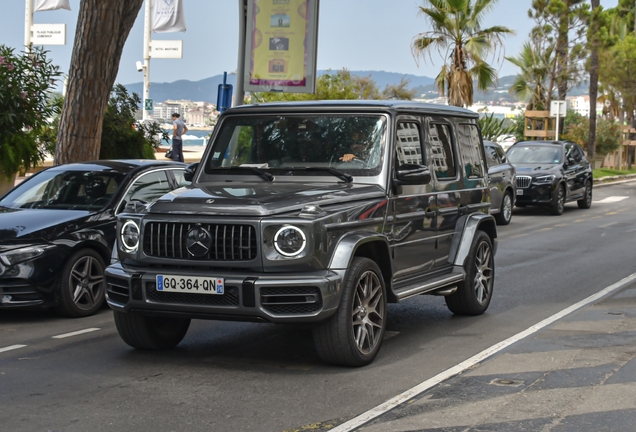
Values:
[(289, 144), (439, 139), (469, 144)]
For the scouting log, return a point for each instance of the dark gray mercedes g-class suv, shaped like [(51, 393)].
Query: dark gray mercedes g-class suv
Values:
[(312, 212)]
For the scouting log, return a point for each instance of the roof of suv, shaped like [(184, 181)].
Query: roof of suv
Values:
[(388, 105)]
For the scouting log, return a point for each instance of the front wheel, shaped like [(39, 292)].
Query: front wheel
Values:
[(150, 333), (81, 287), (558, 203), (353, 335), (505, 212), (474, 295), (586, 201)]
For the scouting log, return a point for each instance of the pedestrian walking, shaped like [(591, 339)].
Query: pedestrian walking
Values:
[(178, 129)]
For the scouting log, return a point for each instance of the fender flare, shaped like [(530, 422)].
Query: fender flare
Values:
[(465, 231), (348, 244)]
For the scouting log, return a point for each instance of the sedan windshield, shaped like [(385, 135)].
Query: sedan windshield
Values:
[(300, 144), (65, 190), (534, 154)]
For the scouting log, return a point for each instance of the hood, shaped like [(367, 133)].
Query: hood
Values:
[(536, 169), (25, 224), (260, 199)]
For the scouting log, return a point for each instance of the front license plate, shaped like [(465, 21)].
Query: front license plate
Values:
[(190, 284), (519, 191)]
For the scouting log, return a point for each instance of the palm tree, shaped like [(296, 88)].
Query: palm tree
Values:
[(591, 144), (458, 35), (531, 83)]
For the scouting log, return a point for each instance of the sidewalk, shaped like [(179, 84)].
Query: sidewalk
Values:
[(578, 374)]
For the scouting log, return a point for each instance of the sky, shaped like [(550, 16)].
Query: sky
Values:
[(357, 35)]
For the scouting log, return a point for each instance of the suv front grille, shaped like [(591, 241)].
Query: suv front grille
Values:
[(228, 242), (523, 181)]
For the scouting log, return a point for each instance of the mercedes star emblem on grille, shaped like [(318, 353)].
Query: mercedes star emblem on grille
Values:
[(198, 241)]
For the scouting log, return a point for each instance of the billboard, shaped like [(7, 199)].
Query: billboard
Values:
[(280, 47)]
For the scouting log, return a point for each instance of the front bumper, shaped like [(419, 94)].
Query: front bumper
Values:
[(535, 194), (280, 298)]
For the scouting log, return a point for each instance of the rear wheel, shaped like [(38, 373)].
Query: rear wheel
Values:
[(474, 295), (150, 333), (505, 212), (353, 335), (558, 203), (81, 287), (586, 201)]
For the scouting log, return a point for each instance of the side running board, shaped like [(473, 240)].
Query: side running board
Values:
[(442, 285)]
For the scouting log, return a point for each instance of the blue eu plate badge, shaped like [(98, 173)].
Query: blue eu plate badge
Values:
[(219, 286)]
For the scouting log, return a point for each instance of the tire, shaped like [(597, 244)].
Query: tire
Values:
[(558, 204), (353, 335), (81, 287), (505, 212), (150, 333), (586, 201), (474, 294)]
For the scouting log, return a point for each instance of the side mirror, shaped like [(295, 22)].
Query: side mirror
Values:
[(412, 174), (188, 173)]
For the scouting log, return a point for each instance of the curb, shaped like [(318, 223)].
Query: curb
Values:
[(610, 180)]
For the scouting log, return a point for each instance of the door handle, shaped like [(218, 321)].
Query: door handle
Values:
[(462, 209)]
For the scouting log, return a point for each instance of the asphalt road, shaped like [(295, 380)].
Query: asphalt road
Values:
[(229, 376)]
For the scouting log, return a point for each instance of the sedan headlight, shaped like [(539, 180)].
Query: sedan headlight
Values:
[(129, 236), (17, 256), (290, 241), (546, 179)]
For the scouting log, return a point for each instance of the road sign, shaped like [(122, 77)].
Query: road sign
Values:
[(224, 96), (148, 104), (558, 108)]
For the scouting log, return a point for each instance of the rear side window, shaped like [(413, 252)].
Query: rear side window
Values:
[(409, 144), (439, 138), (470, 149)]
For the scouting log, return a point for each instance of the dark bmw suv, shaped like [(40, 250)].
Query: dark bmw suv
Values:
[(318, 213), (550, 174)]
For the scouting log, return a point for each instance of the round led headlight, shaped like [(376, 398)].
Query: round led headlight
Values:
[(289, 241), (129, 236)]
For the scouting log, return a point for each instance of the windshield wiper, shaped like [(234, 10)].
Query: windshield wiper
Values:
[(264, 174), (340, 174)]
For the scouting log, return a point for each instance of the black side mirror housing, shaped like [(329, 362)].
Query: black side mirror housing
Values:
[(412, 174), (188, 174)]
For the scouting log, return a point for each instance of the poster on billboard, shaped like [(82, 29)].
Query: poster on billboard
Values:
[(280, 47)]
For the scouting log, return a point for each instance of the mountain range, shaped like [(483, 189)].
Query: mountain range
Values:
[(424, 87)]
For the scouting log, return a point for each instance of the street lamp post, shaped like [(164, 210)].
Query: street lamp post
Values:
[(28, 24), (146, 67), (239, 95)]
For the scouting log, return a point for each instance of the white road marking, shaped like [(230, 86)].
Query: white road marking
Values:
[(461, 367), (11, 348), (611, 199), (79, 332)]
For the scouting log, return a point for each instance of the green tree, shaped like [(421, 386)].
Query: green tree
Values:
[(121, 137), (593, 46), (577, 128), (457, 34), (398, 91), (26, 83), (102, 29), (531, 84), (492, 127)]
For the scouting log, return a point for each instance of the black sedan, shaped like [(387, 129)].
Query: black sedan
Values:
[(551, 173), (57, 230)]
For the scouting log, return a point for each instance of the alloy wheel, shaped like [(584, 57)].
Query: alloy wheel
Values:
[(368, 312), (86, 282), (483, 273), (506, 207)]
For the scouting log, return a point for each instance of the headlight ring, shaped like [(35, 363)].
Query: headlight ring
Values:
[(290, 241), (129, 236)]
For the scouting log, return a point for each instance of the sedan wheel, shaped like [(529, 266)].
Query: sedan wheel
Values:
[(353, 335), (505, 212), (81, 287), (586, 201)]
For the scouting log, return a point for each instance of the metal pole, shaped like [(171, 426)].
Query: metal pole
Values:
[(28, 24), (239, 96), (558, 117), (146, 113)]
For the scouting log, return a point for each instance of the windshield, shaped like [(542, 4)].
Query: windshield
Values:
[(65, 190), (534, 154), (297, 144)]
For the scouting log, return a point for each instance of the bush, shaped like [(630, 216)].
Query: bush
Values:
[(26, 82), (577, 129)]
